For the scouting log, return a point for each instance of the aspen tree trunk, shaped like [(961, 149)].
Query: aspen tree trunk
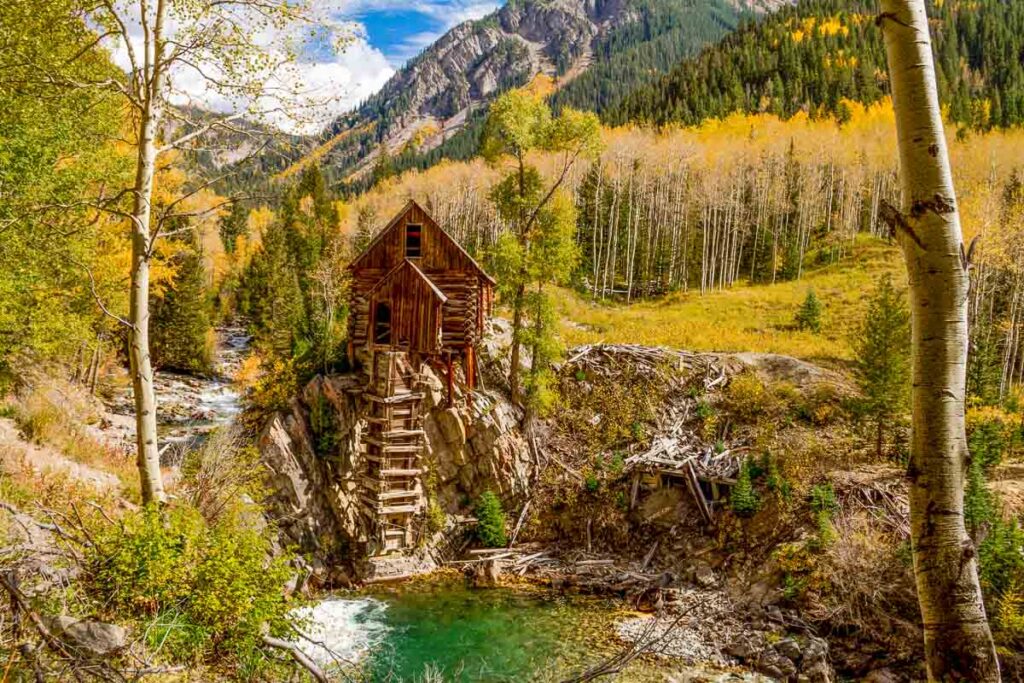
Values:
[(147, 452), (958, 643)]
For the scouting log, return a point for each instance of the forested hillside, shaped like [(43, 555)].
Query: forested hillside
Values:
[(600, 52), (813, 56), (751, 198)]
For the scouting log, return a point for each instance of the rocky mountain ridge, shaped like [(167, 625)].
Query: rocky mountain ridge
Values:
[(434, 96)]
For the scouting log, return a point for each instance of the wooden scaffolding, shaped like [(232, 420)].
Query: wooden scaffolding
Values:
[(391, 448)]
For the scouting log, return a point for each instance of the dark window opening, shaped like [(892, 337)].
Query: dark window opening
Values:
[(413, 240), (382, 323)]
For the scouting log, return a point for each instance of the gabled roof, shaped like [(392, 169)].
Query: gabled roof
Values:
[(406, 263), (411, 204)]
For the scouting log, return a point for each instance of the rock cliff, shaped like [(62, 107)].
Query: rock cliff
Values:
[(473, 444)]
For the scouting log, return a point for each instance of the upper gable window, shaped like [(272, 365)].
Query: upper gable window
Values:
[(413, 240)]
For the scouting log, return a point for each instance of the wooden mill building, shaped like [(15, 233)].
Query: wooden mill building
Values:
[(417, 297)]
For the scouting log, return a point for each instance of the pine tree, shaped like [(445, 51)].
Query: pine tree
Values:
[(490, 521), (271, 296), (384, 167), (979, 503), (984, 368), (234, 225), (808, 317), (743, 499), (883, 357), (181, 330)]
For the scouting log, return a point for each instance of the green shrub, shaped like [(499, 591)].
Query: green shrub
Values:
[(1001, 557), (774, 480), (322, 422), (747, 398), (744, 500), (987, 440), (824, 506), (592, 483), (435, 517), (979, 503), (209, 589), (490, 521), (808, 317)]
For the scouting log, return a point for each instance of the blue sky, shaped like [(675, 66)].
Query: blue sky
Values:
[(399, 30)]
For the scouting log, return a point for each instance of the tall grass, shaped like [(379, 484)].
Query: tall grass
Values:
[(746, 317)]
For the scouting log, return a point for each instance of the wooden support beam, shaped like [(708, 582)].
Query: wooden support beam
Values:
[(451, 378)]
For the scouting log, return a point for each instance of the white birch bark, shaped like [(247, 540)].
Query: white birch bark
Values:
[(958, 643)]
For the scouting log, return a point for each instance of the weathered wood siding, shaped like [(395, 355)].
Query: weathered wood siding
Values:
[(415, 310), (460, 279)]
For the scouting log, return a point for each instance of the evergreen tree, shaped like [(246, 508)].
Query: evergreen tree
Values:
[(383, 167), (883, 358), (234, 225), (808, 317), (743, 499), (979, 507), (271, 296), (984, 368), (181, 333), (490, 521)]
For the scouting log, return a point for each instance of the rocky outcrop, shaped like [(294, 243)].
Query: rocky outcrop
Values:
[(473, 444), (476, 58)]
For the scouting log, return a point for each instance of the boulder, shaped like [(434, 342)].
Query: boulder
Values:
[(452, 428), (92, 637), (704, 575), (776, 665)]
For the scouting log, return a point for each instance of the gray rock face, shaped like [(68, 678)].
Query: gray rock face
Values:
[(473, 444), (93, 637), (474, 59)]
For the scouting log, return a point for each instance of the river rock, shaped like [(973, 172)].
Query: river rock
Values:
[(788, 647), (773, 664), (93, 637), (704, 575), (745, 647)]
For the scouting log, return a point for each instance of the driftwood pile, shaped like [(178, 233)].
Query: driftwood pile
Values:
[(606, 360), (586, 571)]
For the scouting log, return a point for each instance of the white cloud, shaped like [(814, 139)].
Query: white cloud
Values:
[(444, 14), (322, 85), (333, 81)]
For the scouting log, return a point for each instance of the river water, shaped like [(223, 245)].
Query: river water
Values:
[(453, 633)]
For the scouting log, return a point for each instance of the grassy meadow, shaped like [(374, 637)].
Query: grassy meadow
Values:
[(746, 317)]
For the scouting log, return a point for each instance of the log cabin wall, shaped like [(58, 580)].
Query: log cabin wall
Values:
[(468, 289)]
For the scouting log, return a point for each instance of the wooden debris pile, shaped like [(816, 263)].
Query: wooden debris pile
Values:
[(606, 360), (879, 490), (676, 450), (582, 570)]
